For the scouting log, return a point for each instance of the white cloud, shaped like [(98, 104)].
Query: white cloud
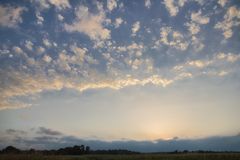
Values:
[(135, 28), (28, 84), (81, 55), (11, 16), (199, 18), (229, 57), (60, 4), (222, 73), (197, 44), (40, 50), (222, 2), (193, 28), (172, 9), (29, 45), (60, 17), (118, 22), (172, 38), (199, 63), (136, 63), (47, 43), (231, 19), (173, 6), (111, 4), (40, 19), (89, 24), (17, 50), (148, 3), (47, 58), (45, 4)]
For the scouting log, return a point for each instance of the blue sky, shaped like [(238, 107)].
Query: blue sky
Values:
[(113, 70)]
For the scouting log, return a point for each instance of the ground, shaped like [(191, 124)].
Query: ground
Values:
[(189, 156)]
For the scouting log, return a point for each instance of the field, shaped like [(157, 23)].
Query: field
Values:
[(189, 156)]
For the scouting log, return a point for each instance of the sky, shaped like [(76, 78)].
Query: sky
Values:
[(145, 75)]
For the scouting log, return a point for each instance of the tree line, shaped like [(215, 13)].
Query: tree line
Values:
[(75, 150)]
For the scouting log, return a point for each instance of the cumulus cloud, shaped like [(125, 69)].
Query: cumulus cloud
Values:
[(60, 17), (60, 4), (47, 43), (45, 4), (40, 50), (47, 58), (222, 2), (148, 3), (29, 45), (90, 24), (11, 16), (172, 38), (199, 63), (111, 4), (230, 57), (173, 6), (118, 22), (193, 28), (40, 18), (199, 18), (231, 19), (135, 28)]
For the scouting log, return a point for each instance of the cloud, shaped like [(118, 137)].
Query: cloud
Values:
[(229, 57), (173, 6), (231, 19), (81, 55), (111, 4), (118, 22), (47, 58), (40, 50), (47, 43), (60, 17), (193, 28), (199, 63), (172, 38), (147, 3), (40, 19), (15, 132), (60, 4), (24, 84), (29, 45), (222, 2), (54, 140), (199, 18), (90, 24), (135, 28), (47, 131), (17, 50), (11, 16), (45, 4)]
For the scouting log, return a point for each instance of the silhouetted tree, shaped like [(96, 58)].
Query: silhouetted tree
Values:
[(11, 150), (87, 150)]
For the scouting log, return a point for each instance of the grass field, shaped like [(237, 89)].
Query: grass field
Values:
[(217, 156)]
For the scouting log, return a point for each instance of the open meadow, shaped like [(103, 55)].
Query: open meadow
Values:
[(197, 156)]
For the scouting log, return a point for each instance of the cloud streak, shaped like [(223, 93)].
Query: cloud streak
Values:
[(54, 140)]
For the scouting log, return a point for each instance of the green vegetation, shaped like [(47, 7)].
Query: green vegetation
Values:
[(188, 156)]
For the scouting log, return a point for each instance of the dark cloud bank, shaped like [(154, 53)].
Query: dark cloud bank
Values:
[(49, 139)]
